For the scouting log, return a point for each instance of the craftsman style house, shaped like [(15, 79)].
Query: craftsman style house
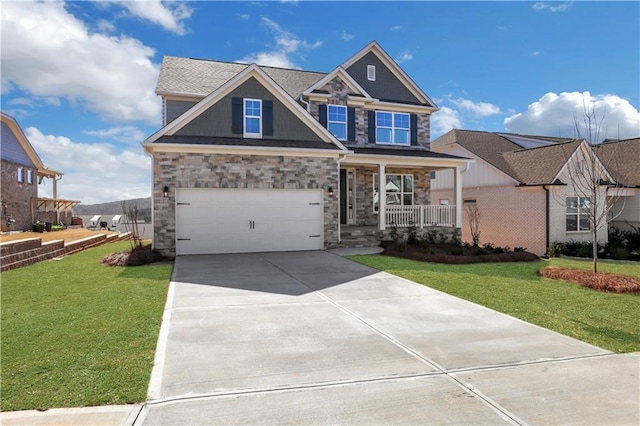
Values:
[(22, 170), (525, 188), (253, 158)]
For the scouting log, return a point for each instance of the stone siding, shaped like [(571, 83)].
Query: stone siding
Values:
[(17, 197), (195, 170), (365, 216), (441, 233)]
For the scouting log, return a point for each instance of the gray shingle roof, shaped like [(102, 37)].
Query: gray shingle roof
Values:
[(622, 160), (199, 77), (534, 166)]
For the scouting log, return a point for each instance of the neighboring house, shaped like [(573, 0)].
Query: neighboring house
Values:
[(22, 170), (254, 158), (622, 160), (522, 186)]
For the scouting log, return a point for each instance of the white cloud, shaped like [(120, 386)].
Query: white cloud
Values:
[(345, 36), (93, 173), (536, 53), (479, 109), (444, 120), (168, 14), (105, 26), (126, 134), (286, 46), (243, 16), (559, 8), (404, 56), (29, 102), (554, 114), (47, 52), (396, 27)]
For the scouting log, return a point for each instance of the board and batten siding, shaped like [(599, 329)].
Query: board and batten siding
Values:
[(216, 120), (12, 150), (478, 174), (174, 109)]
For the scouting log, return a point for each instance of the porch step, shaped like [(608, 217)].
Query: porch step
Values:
[(365, 236)]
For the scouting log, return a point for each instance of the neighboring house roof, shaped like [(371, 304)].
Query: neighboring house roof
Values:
[(622, 160), (200, 77), (10, 123), (534, 166)]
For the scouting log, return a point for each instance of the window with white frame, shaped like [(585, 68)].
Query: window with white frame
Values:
[(252, 117), (392, 128), (399, 190), (20, 174), (578, 209), (337, 121), (29, 176)]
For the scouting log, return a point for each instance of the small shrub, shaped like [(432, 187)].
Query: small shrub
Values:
[(570, 248), (555, 249), (585, 250), (519, 249), (620, 253), (412, 234), (457, 251), (394, 234)]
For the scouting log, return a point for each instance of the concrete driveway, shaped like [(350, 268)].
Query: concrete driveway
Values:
[(313, 338)]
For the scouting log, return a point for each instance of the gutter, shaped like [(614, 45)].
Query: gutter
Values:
[(547, 216)]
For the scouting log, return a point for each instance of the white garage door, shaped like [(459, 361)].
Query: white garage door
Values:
[(212, 221)]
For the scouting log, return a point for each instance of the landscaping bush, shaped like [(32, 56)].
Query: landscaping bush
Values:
[(555, 249), (452, 253), (139, 255)]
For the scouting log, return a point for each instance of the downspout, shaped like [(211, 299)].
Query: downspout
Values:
[(308, 104), (340, 158), (547, 216)]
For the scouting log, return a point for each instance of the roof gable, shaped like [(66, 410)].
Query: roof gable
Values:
[(342, 74), (621, 160), (252, 71), (27, 155), (397, 85)]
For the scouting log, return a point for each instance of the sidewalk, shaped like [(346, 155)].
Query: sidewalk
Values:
[(123, 415)]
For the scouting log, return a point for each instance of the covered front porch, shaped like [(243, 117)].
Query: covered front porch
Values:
[(391, 191)]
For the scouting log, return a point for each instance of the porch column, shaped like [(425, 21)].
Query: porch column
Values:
[(382, 197), (457, 195)]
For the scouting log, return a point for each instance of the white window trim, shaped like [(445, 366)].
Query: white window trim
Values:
[(29, 176), (20, 174), (245, 116), (393, 128), (346, 119), (578, 214), (402, 192), (371, 72)]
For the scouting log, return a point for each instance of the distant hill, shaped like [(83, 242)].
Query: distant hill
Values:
[(115, 207)]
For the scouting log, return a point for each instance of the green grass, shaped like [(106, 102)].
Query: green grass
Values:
[(611, 321), (78, 333)]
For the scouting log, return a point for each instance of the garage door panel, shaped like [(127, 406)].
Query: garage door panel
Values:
[(248, 220)]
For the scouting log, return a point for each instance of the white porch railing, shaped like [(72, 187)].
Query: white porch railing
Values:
[(420, 216)]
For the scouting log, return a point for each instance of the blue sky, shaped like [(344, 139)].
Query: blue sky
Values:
[(80, 76)]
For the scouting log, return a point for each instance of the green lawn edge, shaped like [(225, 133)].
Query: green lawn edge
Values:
[(79, 333), (608, 320)]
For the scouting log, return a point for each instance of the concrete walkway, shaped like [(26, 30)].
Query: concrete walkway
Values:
[(313, 338)]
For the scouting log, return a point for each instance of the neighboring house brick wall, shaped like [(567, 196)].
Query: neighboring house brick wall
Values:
[(17, 196), (190, 170), (509, 216)]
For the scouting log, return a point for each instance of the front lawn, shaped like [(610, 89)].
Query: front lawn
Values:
[(608, 320), (79, 333)]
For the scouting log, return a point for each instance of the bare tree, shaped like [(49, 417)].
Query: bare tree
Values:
[(473, 215), (594, 188), (130, 211)]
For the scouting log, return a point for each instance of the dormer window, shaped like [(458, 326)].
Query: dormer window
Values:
[(371, 72), (337, 121)]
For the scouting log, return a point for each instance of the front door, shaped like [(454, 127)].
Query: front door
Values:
[(347, 196)]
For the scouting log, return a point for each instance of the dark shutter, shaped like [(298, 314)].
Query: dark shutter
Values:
[(322, 114), (372, 127), (237, 126), (414, 129), (351, 124), (267, 118)]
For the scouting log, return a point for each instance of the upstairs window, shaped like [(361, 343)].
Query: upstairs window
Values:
[(337, 121), (29, 176), (371, 72), (392, 128), (20, 176), (578, 214), (252, 118)]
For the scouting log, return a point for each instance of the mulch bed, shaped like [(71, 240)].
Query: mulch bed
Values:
[(139, 255), (441, 253), (602, 281)]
